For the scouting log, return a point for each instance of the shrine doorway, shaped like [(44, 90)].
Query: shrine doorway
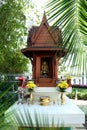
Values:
[(46, 67)]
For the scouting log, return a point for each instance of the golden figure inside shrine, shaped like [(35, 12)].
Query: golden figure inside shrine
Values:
[(44, 69)]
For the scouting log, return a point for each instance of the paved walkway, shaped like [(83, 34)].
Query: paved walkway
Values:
[(80, 102), (83, 105)]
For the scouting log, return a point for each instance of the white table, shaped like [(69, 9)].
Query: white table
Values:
[(68, 114)]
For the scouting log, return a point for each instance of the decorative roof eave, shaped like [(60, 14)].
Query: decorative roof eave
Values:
[(42, 48), (29, 51)]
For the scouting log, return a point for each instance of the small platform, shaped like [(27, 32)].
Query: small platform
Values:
[(68, 115)]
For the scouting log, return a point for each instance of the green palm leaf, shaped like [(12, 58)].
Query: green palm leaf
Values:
[(71, 17)]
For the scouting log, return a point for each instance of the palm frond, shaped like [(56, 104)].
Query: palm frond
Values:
[(24, 120), (71, 17)]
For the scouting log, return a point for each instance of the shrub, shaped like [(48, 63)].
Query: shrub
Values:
[(8, 86), (81, 94), (7, 99)]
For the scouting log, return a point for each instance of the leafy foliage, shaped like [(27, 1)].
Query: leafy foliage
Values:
[(81, 94), (71, 17), (12, 26)]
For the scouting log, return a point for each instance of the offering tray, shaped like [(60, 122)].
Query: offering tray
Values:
[(44, 100)]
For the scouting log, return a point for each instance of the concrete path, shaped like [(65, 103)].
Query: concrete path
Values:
[(82, 104)]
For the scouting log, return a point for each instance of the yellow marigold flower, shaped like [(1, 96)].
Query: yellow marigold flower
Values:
[(62, 85), (30, 85)]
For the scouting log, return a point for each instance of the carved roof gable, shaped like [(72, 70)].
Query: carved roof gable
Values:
[(44, 35)]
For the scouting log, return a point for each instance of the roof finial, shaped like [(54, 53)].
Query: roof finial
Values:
[(44, 19)]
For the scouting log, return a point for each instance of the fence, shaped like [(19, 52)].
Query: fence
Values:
[(7, 80)]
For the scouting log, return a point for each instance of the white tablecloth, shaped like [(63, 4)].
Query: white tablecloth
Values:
[(68, 114)]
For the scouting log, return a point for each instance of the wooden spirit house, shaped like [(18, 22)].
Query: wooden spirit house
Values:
[(44, 49)]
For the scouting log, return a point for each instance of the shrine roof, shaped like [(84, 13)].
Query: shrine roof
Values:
[(44, 38), (38, 35)]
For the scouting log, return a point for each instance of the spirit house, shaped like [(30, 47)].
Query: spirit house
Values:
[(44, 49)]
